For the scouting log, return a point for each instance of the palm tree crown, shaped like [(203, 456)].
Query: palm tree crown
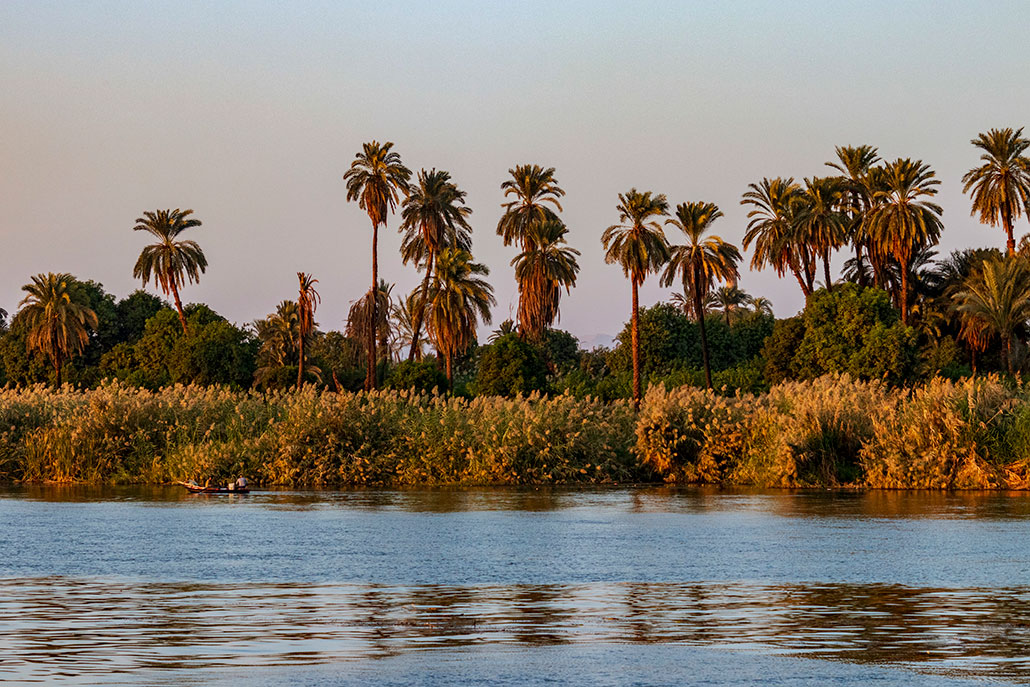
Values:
[(772, 224), (1001, 185), (998, 298), (171, 262), (57, 320), (460, 297), (547, 265), (536, 193)]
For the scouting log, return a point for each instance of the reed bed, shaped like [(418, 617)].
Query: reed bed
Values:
[(832, 431), (120, 434)]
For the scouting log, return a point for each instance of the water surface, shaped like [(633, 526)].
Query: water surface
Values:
[(652, 586)]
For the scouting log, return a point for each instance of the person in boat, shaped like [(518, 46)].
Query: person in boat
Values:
[(241, 483)]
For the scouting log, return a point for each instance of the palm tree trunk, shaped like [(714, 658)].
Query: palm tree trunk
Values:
[(300, 365), (1008, 354), (370, 363), (178, 306), (635, 341), (801, 282), (420, 312), (699, 310), (858, 264), (904, 294), (1010, 244), (57, 368), (450, 375), (826, 269)]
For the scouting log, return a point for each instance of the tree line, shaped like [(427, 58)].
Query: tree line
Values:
[(961, 311)]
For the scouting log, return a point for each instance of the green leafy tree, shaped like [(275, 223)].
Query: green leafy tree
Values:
[(700, 262), (376, 179), (638, 245), (459, 298), (1001, 185), (171, 262), (433, 216), (419, 375), (510, 366), (58, 319)]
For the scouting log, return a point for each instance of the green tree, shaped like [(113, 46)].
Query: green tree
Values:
[(902, 222), (998, 297), (700, 262), (1001, 185), (418, 375), (376, 179), (637, 244), (171, 262), (307, 302), (434, 215), (459, 298), (510, 366), (58, 319), (542, 270)]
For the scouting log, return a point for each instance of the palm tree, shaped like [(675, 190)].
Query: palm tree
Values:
[(403, 312), (434, 215), (307, 302), (999, 297), (536, 193), (901, 222), (170, 262), (376, 179), (56, 318), (854, 164), (1001, 185), (729, 300), (547, 265), (638, 244), (507, 327), (772, 227), (761, 305), (278, 334), (819, 220), (700, 262), (359, 319), (457, 301)]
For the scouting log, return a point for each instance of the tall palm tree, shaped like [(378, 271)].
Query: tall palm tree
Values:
[(1001, 185), (637, 244), (459, 298), (854, 164), (999, 297), (772, 228), (820, 221), (902, 222), (376, 179), (700, 262), (307, 302), (58, 321), (434, 215), (535, 194), (171, 262), (542, 270), (403, 313)]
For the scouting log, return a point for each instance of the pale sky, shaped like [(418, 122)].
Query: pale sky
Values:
[(250, 114)]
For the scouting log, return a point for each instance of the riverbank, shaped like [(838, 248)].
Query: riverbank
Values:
[(833, 431)]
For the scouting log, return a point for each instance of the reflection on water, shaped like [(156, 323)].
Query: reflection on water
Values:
[(55, 627), (663, 499)]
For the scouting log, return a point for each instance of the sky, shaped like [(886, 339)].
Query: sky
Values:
[(249, 113)]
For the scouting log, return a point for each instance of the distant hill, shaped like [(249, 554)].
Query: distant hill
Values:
[(592, 342)]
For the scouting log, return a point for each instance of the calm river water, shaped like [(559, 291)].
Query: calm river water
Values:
[(513, 587)]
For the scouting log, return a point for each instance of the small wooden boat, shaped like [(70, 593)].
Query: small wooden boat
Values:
[(197, 489)]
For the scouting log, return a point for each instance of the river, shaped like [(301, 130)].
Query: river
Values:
[(646, 586)]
